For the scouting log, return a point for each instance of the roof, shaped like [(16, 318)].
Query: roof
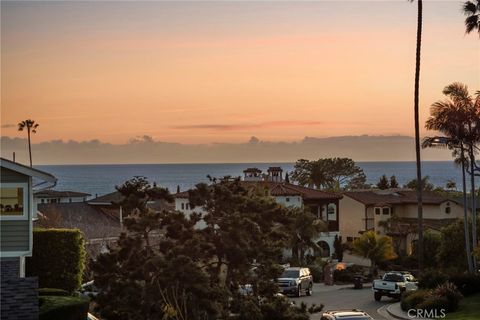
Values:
[(108, 199), (252, 170), (116, 197), (91, 220), (29, 171), (410, 225), (275, 169), (375, 197), (56, 193), (278, 189)]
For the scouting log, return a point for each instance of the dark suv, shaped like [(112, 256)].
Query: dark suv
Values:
[(296, 281)]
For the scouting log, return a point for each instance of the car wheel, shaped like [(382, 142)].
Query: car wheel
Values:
[(377, 296), (299, 291), (310, 289)]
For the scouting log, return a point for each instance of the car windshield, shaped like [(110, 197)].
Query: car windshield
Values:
[(393, 277), (290, 274)]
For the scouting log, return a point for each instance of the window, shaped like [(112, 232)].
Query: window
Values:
[(448, 209), (386, 210), (332, 208), (183, 206), (13, 200), (287, 199), (349, 239), (43, 200), (378, 210)]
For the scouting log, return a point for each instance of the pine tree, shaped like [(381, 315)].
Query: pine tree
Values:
[(382, 184), (393, 182)]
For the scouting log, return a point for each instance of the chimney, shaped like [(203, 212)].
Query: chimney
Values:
[(275, 174)]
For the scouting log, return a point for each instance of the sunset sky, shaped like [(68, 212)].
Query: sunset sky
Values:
[(204, 72)]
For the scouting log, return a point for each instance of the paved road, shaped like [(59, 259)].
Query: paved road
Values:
[(345, 297)]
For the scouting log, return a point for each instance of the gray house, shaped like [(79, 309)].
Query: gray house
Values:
[(17, 211)]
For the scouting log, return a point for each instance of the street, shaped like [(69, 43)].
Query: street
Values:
[(345, 297)]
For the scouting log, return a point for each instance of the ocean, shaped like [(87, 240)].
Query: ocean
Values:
[(102, 179)]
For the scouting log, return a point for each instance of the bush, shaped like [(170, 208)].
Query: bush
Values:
[(58, 258), (317, 272), (468, 284), (343, 275), (432, 279), (65, 308), (52, 292), (411, 299), (449, 291), (434, 303)]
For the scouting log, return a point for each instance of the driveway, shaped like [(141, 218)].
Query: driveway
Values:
[(345, 297)]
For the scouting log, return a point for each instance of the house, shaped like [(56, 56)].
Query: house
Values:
[(55, 196), (394, 212), (100, 219), (17, 211), (324, 205)]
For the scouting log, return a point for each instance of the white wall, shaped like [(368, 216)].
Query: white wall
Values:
[(290, 201)]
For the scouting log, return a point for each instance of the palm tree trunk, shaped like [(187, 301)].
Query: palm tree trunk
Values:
[(417, 135), (465, 214), (29, 146), (474, 207)]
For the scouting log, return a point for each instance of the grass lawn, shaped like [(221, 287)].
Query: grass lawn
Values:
[(469, 309)]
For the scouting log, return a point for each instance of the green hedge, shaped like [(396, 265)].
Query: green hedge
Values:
[(52, 292), (62, 307), (58, 258)]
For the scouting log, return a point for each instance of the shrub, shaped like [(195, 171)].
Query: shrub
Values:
[(468, 284), (317, 272), (343, 275), (52, 292), (449, 291), (58, 258), (434, 303), (61, 307), (411, 299), (432, 279)]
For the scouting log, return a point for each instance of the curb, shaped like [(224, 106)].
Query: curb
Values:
[(394, 315)]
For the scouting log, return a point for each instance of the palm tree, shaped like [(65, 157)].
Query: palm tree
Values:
[(374, 247), (417, 132), (457, 119), (472, 10), (31, 127)]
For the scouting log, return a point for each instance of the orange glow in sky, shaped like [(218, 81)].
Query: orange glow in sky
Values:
[(221, 72)]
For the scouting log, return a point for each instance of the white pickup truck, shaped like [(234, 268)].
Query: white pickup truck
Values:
[(393, 284)]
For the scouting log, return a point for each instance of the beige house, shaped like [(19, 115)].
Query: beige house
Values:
[(394, 212)]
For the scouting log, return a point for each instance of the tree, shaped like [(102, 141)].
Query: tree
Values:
[(472, 10), (374, 247), (393, 182), (287, 178), (431, 244), (458, 119), (416, 97), (31, 128), (382, 184), (330, 173), (425, 185), (337, 245), (304, 229), (451, 185)]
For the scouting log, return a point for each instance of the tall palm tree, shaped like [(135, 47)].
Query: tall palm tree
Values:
[(472, 10), (458, 119), (31, 127), (417, 132)]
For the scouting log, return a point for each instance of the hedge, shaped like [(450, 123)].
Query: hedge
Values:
[(58, 258), (52, 292), (62, 307)]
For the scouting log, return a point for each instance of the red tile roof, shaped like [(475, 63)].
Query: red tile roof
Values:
[(370, 197)]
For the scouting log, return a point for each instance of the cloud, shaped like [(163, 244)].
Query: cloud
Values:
[(227, 127), (145, 149), (8, 125)]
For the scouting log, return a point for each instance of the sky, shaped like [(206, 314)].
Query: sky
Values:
[(221, 72)]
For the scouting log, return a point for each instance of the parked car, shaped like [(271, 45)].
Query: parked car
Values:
[(346, 315), (89, 289), (393, 285), (296, 281)]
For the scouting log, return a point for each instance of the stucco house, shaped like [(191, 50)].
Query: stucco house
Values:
[(17, 211), (56, 196), (393, 212), (325, 205)]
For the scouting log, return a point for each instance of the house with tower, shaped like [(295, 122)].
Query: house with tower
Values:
[(324, 205)]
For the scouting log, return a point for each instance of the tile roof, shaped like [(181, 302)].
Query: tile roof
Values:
[(376, 197), (56, 193), (284, 189), (116, 197)]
